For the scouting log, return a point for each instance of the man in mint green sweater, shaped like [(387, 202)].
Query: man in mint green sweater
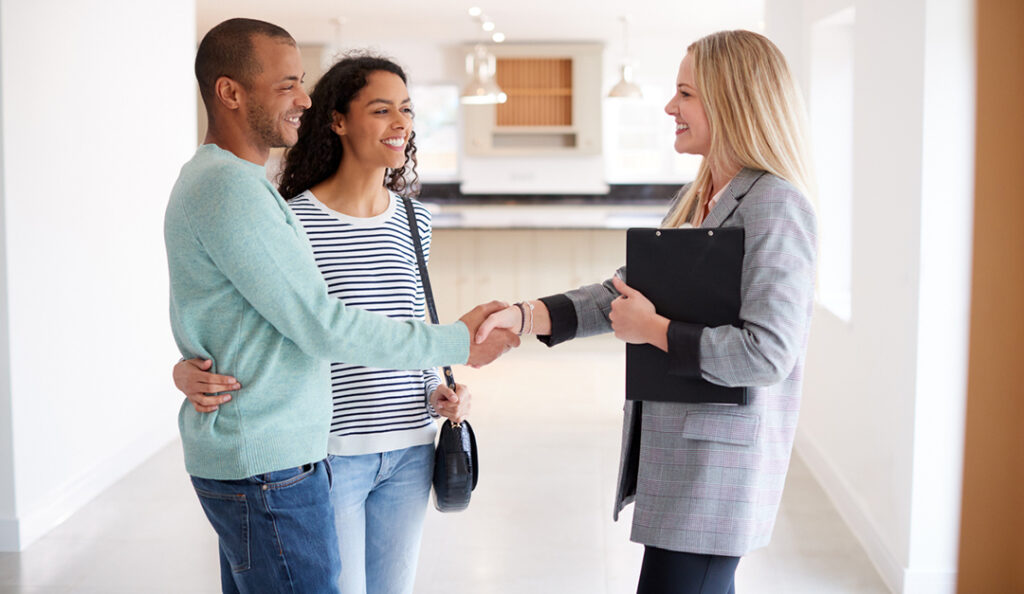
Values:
[(246, 293)]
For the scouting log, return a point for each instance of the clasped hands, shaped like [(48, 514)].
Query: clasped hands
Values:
[(633, 319), (483, 351)]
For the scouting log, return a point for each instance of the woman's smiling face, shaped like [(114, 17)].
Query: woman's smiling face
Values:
[(693, 133), (376, 129)]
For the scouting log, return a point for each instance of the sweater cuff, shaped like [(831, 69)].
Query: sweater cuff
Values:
[(563, 320), (431, 384), (684, 348), (459, 341)]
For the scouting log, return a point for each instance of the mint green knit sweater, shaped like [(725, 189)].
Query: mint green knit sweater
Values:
[(246, 293)]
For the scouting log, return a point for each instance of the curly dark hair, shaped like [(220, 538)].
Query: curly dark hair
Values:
[(318, 152)]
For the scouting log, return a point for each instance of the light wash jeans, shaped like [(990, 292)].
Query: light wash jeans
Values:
[(380, 501), (275, 530)]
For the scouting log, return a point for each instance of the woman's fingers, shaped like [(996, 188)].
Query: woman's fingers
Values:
[(622, 287), (500, 319), (200, 364), (444, 393), (217, 383), (485, 328), (190, 376), (452, 405), (205, 403)]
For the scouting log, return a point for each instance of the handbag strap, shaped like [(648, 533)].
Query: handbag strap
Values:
[(428, 294)]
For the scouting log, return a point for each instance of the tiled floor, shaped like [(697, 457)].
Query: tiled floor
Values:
[(548, 425)]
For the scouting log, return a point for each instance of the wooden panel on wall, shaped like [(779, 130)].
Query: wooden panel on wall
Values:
[(539, 91), (992, 528)]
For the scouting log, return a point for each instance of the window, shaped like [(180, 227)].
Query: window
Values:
[(831, 115), (437, 131), (639, 138)]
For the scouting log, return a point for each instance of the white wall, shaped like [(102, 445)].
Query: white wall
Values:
[(7, 507), (98, 116), (882, 420)]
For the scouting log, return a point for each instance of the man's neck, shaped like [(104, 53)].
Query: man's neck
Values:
[(236, 141)]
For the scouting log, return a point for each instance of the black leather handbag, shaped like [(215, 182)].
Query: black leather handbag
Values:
[(456, 468)]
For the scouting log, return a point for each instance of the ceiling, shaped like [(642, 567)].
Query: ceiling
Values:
[(309, 21)]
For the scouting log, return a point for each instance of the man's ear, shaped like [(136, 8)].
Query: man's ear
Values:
[(228, 92), (338, 123)]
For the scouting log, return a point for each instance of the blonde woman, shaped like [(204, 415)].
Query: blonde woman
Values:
[(710, 477)]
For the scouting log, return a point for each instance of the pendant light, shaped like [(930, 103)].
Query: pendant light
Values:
[(481, 67), (625, 87), (482, 89)]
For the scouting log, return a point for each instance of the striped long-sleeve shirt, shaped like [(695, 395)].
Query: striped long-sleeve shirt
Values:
[(244, 292), (370, 263)]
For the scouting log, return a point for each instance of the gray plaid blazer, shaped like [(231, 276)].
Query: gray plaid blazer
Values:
[(710, 476)]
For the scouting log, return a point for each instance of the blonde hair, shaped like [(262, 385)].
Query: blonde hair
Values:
[(755, 114)]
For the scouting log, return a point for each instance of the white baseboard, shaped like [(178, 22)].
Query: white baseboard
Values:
[(929, 582), (19, 533), (852, 511)]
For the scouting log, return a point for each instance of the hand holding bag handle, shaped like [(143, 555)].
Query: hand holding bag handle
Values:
[(455, 461)]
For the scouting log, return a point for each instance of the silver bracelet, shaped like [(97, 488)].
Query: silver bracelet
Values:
[(530, 305)]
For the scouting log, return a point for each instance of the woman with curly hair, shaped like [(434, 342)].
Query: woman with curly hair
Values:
[(343, 179)]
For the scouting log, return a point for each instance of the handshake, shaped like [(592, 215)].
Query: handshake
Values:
[(494, 329)]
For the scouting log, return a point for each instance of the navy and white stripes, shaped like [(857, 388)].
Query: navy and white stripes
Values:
[(370, 263)]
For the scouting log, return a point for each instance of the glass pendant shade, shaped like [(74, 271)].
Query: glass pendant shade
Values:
[(625, 86), (481, 89)]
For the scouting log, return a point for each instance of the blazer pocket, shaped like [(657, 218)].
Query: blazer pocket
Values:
[(722, 427)]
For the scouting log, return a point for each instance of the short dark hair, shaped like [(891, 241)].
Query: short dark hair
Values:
[(227, 50)]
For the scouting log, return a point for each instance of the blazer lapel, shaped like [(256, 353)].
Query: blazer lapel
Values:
[(738, 188)]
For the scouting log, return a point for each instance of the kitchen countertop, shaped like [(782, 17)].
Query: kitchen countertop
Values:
[(623, 207), (544, 216)]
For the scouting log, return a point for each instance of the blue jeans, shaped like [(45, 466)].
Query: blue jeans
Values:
[(380, 501), (276, 530)]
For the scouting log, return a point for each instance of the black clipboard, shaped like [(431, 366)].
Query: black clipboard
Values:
[(691, 275)]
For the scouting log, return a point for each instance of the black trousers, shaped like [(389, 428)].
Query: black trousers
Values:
[(671, 572)]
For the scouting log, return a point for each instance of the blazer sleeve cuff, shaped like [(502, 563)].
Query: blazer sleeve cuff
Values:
[(684, 348), (563, 320)]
